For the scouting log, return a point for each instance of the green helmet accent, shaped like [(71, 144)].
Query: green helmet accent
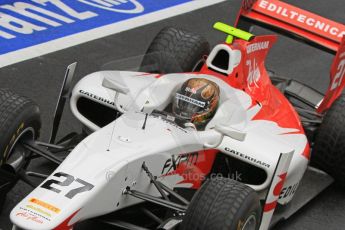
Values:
[(232, 32)]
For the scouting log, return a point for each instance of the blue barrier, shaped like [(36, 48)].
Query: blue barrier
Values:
[(25, 23)]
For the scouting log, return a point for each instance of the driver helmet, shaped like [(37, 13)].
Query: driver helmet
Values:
[(196, 101)]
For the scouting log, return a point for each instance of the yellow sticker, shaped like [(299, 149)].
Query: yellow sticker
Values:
[(45, 205), (38, 210)]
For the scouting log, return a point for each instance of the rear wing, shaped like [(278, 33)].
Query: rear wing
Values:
[(302, 25)]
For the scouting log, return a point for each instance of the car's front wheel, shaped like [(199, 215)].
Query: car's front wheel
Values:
[(19, 121), (223, 204)]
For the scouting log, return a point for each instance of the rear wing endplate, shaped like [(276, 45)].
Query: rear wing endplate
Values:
[(302, 25)]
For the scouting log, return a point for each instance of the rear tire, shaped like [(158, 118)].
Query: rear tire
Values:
[(19, 119), (174, 51), (329, 147), (223, 204)]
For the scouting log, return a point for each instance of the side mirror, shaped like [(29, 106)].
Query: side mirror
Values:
[(118, 87), (231, 132), (230, 120), (111, 83)]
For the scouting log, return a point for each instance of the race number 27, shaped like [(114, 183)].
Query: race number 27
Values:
[(338, 78), (57, 186)]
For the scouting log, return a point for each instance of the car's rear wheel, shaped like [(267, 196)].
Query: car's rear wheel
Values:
[(223, 204), (328, 152), (174, 51), (19, 121)]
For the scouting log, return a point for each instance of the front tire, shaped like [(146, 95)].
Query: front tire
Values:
[(19, 120), (328, 152), (223, 204)]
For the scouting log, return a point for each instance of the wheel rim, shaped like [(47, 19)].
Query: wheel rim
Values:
[(250, 223), (17, 155)]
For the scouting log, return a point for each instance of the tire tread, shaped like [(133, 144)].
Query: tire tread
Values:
[(329, 148), (216, 205)]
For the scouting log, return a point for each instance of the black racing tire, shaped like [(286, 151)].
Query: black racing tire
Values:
[(174, 51), (19, 119), (328, 153), (222, 204)]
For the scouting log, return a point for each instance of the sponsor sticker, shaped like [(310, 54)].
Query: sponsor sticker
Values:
[(45, 205), (173, 163), (191, 90), (39, 210), (190, 100), (288, 191), (98, 98), (257, 47), (32, 215), (339, 76), (302, 18), (247, 157), (254, 74)]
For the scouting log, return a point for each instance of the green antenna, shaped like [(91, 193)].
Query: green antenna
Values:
[(232, 32)]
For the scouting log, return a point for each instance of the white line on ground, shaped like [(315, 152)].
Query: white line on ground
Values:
[(79, 38)]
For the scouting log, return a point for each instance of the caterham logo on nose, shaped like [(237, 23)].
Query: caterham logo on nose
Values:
[(131, 6)]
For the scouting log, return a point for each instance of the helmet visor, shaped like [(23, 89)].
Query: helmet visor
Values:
[(185, 107)]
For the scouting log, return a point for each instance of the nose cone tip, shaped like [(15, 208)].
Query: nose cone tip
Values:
[(26, 218)]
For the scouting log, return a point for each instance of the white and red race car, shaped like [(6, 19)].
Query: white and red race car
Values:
[(138, 165)]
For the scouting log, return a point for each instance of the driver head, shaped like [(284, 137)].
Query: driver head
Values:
[(196, 101)]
